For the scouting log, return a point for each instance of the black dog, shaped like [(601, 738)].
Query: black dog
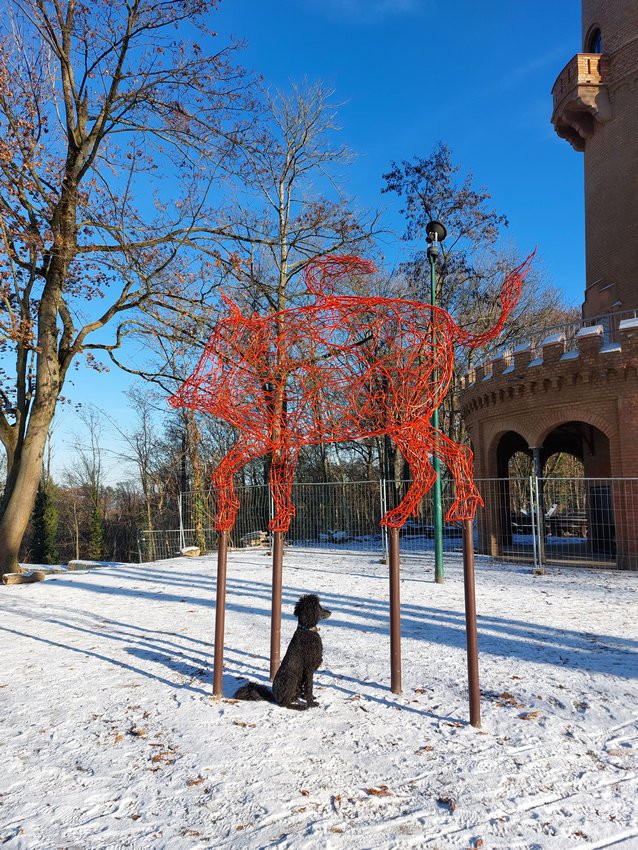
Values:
[(303, 656)]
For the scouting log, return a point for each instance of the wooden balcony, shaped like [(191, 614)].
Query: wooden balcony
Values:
[(581, 98)]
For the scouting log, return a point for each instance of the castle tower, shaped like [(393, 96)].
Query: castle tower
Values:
[(575, 391), (596, 111)]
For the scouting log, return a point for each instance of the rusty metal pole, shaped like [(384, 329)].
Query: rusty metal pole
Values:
[(275, 617), (220, 614), (470, 624), (395, 613)]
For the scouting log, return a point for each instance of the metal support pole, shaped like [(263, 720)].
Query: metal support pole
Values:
[(275, 617), (439, 575), (470, 625), (539, 506), (395, 612), (220, 614)]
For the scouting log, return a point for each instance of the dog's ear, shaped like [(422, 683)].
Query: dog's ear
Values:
[(299, 606)]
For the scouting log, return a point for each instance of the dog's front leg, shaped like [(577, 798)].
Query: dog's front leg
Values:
[(307, 689)]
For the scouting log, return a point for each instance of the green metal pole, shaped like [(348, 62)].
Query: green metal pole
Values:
[(436, 464)]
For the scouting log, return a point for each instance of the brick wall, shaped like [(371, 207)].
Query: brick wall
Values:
[(616, 19), (532, 393), (611, 165)]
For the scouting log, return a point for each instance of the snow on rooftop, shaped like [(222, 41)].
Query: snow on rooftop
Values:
[(627, 324), (111, 738), (590, 330), (553, 339)]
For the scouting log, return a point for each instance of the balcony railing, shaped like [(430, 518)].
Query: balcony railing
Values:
[(580, 97), (584, 69)]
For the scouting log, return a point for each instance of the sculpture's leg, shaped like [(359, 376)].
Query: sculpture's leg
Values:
[(222, 478), (282, 473), (415, 444), (414, 447), (459, 460)]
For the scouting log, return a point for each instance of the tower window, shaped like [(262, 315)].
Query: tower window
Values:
[(594, 41)]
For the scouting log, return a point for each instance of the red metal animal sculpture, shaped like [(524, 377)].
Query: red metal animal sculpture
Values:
[(342, 368)]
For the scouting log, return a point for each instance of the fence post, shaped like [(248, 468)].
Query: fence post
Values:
[(532, 510), (139, 546), (182, 538), (539, 511)]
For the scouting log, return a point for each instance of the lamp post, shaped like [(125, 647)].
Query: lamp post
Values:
[(436, 233)]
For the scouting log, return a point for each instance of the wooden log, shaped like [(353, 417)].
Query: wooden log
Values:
[(23, 578)]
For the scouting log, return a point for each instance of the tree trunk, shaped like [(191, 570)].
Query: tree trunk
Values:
[(20, 497)]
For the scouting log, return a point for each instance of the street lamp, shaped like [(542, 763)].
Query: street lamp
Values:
[(435, 233)]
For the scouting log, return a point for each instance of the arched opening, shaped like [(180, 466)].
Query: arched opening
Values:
[(577, 494), (507, 501), (594, 41), (553, 499)]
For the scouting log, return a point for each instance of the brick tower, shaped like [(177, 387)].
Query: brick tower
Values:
[(596, 110), (576, 390)]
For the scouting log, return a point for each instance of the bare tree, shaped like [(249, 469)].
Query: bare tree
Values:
[(143, 448), (87, 476), (292, 209), (472, 261), (99, 103), (290, 204), (286, 207)]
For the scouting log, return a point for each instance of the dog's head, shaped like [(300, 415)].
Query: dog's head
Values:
[(309, 611)]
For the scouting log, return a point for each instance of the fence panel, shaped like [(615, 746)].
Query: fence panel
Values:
[(560, 521), (552, 521), (343, 514)]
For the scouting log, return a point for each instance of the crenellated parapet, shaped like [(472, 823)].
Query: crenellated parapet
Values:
[(551, 367)]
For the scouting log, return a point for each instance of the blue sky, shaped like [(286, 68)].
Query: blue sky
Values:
[(410, 73)]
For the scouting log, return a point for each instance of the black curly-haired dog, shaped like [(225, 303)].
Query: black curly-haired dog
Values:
[(293, 680)]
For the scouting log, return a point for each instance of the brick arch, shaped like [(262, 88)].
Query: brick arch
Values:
[(504, 426), (553, 418), (491, 444)]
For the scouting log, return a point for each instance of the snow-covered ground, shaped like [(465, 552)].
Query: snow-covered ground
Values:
[(110, 738)]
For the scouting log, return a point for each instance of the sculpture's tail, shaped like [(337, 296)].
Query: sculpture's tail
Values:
[(510, 293)]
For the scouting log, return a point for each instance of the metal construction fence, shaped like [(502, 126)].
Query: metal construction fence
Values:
[(552, 521)]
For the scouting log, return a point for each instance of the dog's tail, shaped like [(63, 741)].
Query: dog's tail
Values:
[(254, 691)]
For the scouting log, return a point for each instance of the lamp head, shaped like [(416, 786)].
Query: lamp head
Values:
[(435, 231)]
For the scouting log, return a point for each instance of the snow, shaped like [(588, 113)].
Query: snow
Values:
[(591, 330), (110, 737), (553, 339)]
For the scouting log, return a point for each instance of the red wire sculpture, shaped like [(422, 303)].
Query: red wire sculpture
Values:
[(343, 368)]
